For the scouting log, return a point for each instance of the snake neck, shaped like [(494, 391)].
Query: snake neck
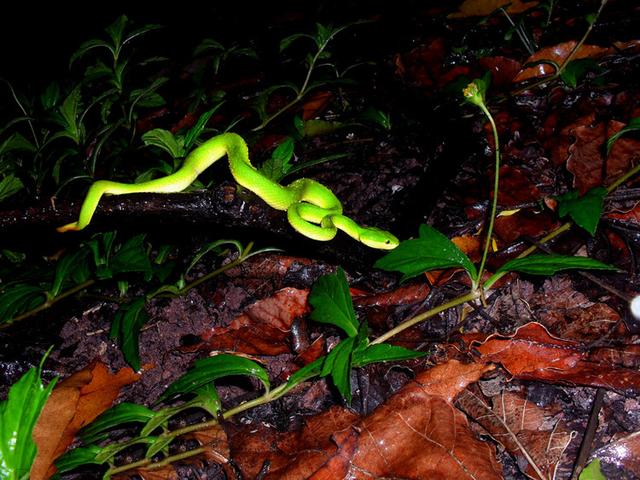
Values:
[(245, 174)]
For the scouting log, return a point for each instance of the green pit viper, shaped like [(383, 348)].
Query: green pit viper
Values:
[(312, 209)]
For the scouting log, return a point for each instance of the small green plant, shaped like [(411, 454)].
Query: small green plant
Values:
[(331, 302), (18, 416), (315, 59), (432, 250)]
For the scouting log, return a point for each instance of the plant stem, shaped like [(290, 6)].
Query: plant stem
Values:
[(241, 258), (472, 295), (494, 205), (49, 303)]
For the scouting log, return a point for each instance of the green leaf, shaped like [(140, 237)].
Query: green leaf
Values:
[(207, 397), (50, 97), (131, 257), (10, 185), (210, 369), (126, 326), (194, 132), (633, 125), (576, 70), (592, 471), (280, 162), (16, 142), (377, 116), (19, 298), (208, 44), (66, 268), (338, 365), (18, 416), (79, 456), (307, 372), (430, 251), (216, 248), (87, 46), (550, 264), (331, 302), (287, 41), (68, 118), (116, 30), (164, 139), (585, 210), (120, 414), (383, 352), (160, 444)]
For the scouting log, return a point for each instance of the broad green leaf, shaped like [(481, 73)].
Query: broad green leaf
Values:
[(116, 30), (208, 44), (66, 268), (164, 139), (338, 365), (126, 326), (87, 46), (585, 210), (331, 302), (550, 264), (9, 186), (633, 125), (383, 352), (79, 456), (19, 298), (160, 444), (575, 71), (68, 117), (207, 397), (18, 416), (430, 251), (140, 31), (16, 142), (592, 471), (307, 372), (210, 369), (377, 116), (50, 97), (131, 257), (279, 164), (287, 41), (194, 132), (120, 414)]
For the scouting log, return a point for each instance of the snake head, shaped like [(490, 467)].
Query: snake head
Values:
[(377, 238)]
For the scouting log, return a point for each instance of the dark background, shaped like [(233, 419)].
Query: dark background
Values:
[(37, 39)]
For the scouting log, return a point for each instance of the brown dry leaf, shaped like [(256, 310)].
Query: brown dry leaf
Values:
[(316, 104), (516, 187), (557, 53), (416, 434), (587, 161), (264, 329), (527, 431), (503, 69), (532, 353), (624, 452), (74, 403), (482, 8), (631, 216), (569, 314), (404, 295), (524, 223)]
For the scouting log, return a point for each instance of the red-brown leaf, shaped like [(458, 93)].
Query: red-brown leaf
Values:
[(74, 403), (532, 353)]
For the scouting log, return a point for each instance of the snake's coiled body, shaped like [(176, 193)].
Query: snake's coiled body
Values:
[(312, 209)]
